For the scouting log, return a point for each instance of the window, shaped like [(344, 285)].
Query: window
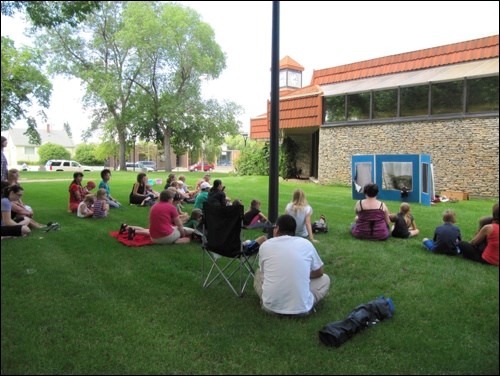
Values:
[(479, 94), (414, 101), (385, 104), (335, 108), (425, 174), (396, 175), (358, 106), (482, 94), (29, 150), (447, 98)]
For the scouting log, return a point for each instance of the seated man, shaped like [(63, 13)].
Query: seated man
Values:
[(290, 280)]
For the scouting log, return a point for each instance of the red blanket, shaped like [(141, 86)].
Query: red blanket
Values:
[(138, 241)]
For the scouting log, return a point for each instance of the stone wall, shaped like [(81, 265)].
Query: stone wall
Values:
[(464, 152)]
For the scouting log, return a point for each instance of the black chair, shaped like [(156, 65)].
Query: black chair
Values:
[(222, 245)]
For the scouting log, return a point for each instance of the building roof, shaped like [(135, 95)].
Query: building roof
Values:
[(57, 137), (476, 49), (302, 108), (288, 63)]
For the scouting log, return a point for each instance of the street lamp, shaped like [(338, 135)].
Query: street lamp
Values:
[(133, 139), (245, 136)]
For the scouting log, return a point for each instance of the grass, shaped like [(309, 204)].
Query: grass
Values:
[(76, 301)]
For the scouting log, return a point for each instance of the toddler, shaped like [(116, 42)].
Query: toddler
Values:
[(85, 208), (101, 206)]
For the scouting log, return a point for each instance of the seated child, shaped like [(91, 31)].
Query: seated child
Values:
[(446, 237), (254, 218), (85, 208), (195, 219), (101, 206), (404, 223), (151, 191)]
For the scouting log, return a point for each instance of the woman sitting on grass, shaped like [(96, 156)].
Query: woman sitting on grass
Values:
[(165, 226), (139, 194), (10, 228), (483, 247)]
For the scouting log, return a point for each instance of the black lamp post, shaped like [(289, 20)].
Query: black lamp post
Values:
[(245, 136), (133, 139)]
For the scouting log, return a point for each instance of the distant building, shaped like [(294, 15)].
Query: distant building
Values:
[(442, 101), (19, 147)]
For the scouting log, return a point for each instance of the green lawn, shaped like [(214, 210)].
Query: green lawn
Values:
[(76, 301)]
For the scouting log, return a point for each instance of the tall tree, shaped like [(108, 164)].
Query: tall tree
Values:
[(93, 53), (178, 49), (22, 84), (51, 13)]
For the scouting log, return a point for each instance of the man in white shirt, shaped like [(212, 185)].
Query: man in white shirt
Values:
[(290, 280)]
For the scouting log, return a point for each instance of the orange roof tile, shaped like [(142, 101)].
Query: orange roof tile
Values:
[(477, 49), (288, 62), (303, 107)]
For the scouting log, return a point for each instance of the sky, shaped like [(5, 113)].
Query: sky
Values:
[(316, 34)]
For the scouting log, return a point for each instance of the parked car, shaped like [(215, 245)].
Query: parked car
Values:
[(65, 165), (206, 167), (138, 167), (148, 164)]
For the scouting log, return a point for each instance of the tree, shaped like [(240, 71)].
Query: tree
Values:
[(86, 154), (51, 13), (52, 151), (108, 69), (178, 49), (67, 128), (22, 84)]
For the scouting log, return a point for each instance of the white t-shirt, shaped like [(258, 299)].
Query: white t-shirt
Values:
[(286, 263), (300, 217)]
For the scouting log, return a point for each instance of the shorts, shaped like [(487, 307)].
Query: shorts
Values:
[(12, 230), (170, 239)]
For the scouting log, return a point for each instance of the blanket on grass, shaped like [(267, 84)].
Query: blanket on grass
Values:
[(138, 241)]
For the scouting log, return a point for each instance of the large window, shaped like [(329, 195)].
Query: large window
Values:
[(335, 108), (482, 94), (385, 104), (397, 175), (447, 98), (414, 101), (358, 106), (437, 98)]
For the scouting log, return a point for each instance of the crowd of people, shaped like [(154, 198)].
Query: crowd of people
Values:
[(290, 279)]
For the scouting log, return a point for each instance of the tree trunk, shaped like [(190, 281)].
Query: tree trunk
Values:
[(166, 145), (122, 141)]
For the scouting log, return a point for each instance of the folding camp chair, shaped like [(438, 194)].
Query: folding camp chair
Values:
[(222, 245)]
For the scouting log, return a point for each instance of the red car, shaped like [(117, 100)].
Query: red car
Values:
[(206, 167)]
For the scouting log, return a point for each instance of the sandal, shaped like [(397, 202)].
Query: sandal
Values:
[(131, 233), (123, 228)]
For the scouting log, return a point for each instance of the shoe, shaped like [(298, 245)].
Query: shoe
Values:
[(54, 226), (131, 233), (123, 228)]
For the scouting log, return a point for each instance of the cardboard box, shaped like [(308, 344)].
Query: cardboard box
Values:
[(455, 195)]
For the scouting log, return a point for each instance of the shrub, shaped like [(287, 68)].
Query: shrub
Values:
[(52, 151)]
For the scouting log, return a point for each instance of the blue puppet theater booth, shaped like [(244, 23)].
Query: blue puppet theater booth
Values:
[(400, 177)]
